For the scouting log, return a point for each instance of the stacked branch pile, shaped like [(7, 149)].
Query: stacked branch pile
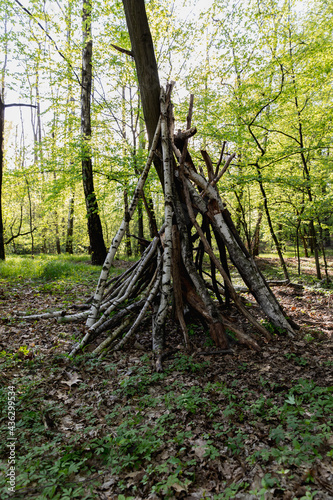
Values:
[(170, 269)]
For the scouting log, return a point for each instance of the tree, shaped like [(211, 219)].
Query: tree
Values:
[(97, 245), (2, 127), (167, 267), (146, 67), (2, 131)]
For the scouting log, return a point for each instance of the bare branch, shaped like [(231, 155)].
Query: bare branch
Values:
[(220, 159), (21, 105), (49, 37), (123, 51), (19, 234)]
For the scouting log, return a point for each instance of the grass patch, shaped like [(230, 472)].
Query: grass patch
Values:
[(46, 267), (50, 273)]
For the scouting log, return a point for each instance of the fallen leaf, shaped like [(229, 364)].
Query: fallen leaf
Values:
[(200, 448), (73, 379), (178, 487)]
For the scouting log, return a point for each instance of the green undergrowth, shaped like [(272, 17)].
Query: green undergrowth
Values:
[(50, 274), (274, 270), (47, 267), (148, 432)]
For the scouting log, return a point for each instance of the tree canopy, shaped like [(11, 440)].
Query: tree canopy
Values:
[(261, 76)]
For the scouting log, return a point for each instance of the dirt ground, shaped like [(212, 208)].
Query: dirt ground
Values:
[(210, 463)]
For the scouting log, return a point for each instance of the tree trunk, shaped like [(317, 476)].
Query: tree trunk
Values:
[(314, 245), (304, 159), (30, 217), (270, 224), (57, 240), (70, 225), (2, 136), (128, 234), (321, 233), (97, 245), (146, 68), (255, 239), (2, 129), (141, 246)]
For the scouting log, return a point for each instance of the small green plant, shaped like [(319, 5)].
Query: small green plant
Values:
[(272, 328), (185, 363), (297, 359), (5, 354), (192, 329), (267, 483), (309, 495), (230, 491)]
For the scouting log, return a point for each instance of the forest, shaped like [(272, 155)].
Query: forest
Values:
[(166, 249)]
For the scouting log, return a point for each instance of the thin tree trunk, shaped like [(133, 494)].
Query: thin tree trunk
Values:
[(297, 249), (134, 123), (160, 318), (2, 134), (127, 231), (321, 233), (149, 207), (305, 245), (270, 224), (306, 170), (70, 225), (141, 246), (128, 245), (58, 246), (313, 237), (256, 239), (71, 113), (2, 128), (30, 217), (240, 217), (97, 245)]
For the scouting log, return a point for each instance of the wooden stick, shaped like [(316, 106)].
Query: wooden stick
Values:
[(209, 165), (220, 159), (121, 231), (211, 254)]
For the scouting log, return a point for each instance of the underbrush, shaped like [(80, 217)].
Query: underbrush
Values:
[(51, 274), (137, 432), (249, 424), (46, 267)]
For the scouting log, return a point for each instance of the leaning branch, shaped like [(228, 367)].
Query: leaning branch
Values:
[(19, 234), (217, 263), (121, 231), (123, 51), (19, 104), (49, 37)]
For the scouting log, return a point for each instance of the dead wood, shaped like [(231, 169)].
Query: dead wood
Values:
[(170, 270)]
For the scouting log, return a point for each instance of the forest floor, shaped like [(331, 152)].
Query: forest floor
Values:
[(247, 425)]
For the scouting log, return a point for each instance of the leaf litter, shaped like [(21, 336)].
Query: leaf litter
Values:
[(246, 425)]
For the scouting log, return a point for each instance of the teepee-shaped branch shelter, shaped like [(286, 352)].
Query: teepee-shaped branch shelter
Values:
[(170, 269)]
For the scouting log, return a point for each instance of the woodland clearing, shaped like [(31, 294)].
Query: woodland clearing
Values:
[(245, 425)]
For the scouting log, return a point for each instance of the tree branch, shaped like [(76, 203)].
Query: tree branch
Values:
[(123, 51), (19, 234), (278, 132), (49, 37), (21, 105)]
